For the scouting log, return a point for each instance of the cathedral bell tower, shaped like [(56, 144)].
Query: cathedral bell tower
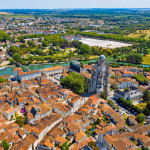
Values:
[(100, 77)]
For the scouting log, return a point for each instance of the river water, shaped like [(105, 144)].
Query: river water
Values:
[(9, 70)]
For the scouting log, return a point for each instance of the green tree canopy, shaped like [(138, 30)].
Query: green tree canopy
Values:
[(146, 96), (45, 43), (140, 117), (32, 44), (76, 43), (134, 58), (4, 36), (17, 57), (12, 50), (84, 49), (5, 144), (103, 95), (20, 120), (3, 80), (75, 82)]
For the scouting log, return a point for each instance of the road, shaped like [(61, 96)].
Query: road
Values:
[(121, 109)]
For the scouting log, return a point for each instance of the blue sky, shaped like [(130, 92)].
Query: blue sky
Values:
[(48, 4)]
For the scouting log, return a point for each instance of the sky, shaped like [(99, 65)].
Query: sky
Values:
[(50, 4)]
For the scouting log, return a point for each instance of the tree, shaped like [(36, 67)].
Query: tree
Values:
[(134, 58), (93, 50), (23, 46), (4, 36), (30, 59), (98, 121), (12, 50), (51, 52), (84, 49), (65, 146), (31, 44), (5, 144), (3, 80), (11, 60), (81, 64), (45, 43), (110, 102), (115, 56), (17, 57), (76, 43), (146, 96), (104, 96), (140, 117), (126, 89), (141, 79), (75, 82), (146, 111), (145, 51), (20, 120)]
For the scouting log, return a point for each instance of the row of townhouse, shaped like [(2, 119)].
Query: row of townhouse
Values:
[(123, 83), (20, 75), (74, 102)]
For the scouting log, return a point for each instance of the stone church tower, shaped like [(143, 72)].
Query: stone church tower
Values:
[(100, 77)]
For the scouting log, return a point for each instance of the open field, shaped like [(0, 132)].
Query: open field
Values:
[(140, 33), (143, 31), (146, 60), (104, 43)]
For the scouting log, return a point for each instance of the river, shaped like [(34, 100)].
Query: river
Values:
[(9, 70)]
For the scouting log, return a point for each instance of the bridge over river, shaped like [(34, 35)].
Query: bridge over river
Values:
[(23, 67)]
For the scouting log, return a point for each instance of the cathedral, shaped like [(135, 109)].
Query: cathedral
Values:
[(100, 77)]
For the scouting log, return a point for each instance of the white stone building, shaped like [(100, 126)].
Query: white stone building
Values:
[(53, 70), (133, 93), (28, 75)]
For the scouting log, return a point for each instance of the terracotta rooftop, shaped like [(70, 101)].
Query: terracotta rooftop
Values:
[(53, 68)]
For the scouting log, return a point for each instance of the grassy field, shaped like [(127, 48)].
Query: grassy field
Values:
[(15, 16), (141, 33), (141, 105), (93, 57), (146, 60)]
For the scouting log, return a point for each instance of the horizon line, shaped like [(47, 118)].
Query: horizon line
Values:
[(74, 8)]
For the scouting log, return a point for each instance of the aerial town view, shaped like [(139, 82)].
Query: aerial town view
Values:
[(75, 75)]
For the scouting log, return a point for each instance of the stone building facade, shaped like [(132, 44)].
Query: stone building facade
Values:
[(100, 77)]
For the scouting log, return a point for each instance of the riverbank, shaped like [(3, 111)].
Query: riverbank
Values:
[(9, 70)]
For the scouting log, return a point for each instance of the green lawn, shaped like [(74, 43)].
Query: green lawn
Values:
[(146, 60)]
